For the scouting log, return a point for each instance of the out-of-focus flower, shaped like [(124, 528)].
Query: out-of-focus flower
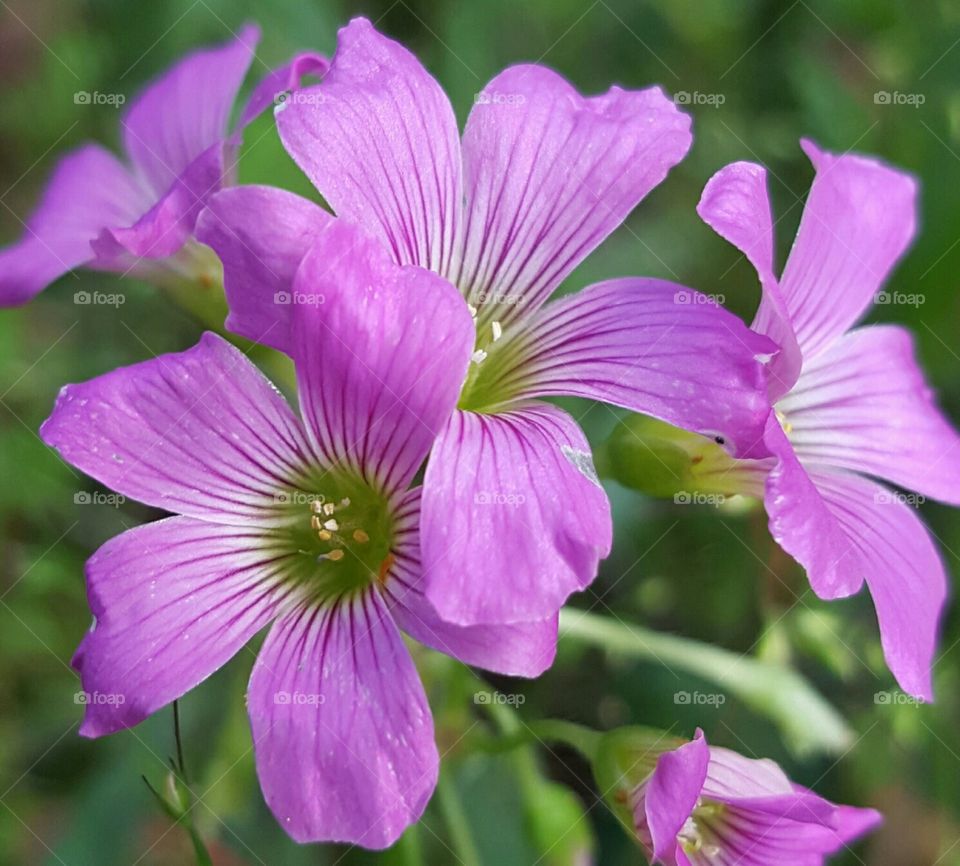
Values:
[(137, 214)]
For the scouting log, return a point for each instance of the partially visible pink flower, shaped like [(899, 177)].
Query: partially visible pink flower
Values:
[(138, 214), (709, 806), (304, 524), (848, 403), (514, 519)]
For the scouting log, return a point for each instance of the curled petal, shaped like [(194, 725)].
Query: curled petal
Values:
[(89, 189), (735, 204), (261, 235)]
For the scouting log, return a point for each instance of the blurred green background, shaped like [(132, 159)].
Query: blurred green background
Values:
[(767, 73)]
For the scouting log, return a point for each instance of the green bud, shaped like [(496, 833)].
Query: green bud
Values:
[(661, 460), (624, 758)]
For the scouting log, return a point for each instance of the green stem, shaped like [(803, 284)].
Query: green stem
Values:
[(457, 822), (199, 849), (808, 722), (576, 736)]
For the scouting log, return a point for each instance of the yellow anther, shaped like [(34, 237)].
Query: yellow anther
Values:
[(360, 536), (315, 523), (335, 555), (323, 535)]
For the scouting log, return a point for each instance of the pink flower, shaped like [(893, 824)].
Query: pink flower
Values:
[(707, 806), (848, 403), (307, 526), (137, 214), (514, 519)]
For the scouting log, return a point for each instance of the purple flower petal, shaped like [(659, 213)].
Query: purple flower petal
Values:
[(381, 352), (654, 347), (843, 530), (378, 138), (903, 570), (261, 235), (731, 776), (803, 525), (864, 405), (850, 823), (341, 725), (672, 792), (168, 225), (173, 601), (859, 218), (525, 649), (89, 189), (735, 204), (703, 807), (513, 517), (185, 111), (285, 79), (548, 174), (200, 433)]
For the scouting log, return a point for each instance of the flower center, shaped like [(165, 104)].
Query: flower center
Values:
[(699, 835), (342, 534), (492, 376)]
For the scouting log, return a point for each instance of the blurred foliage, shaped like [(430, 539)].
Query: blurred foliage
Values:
[(760, 75)]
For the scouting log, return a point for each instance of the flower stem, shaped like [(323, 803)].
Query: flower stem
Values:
[(808, 722), (571, 734), (456, 819)]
